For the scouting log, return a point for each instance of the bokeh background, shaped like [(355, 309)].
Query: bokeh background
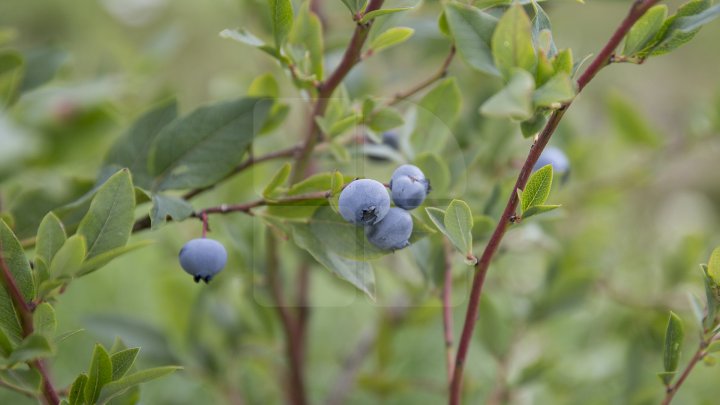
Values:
[(575, 304)]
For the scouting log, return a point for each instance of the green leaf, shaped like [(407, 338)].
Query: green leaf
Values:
[(677, 30), (535, 124), (541, 25), (383, 11), (563, 62), (538, 209), (307, 35), (459, 223), (116, 388), (77, 396), (44, 322), (559, 89), (443, 25), (132, 148), (354, 5), (713, 266), (247, 38), (11, 76), (384, 119), (122, 361), (27, 378), (316, 182), (104, 258), (277, 180), (69, 258), (264, 86), (99, 375), (167, 206), (472, 30), (203, 147), (437, 112), (6, 345), (712, 295), (512, 44), (673, 343), (32, 347), (281, 17), (437, 216), (537, 189), (630, 124), (359, 274), (694, 22), (109, 221), (50, 237), (645, 30), (514, 101), (437, 171), (342, 237), (12, 253), (393, 36)]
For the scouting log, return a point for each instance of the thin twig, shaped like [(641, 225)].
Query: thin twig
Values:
[(326, 89), (672, 389), (441, 73), (637, 10), (296, 385), (22, 307), (447, 312)]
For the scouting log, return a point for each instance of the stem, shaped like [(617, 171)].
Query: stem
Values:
[(441, 73), (24, 311), (327, 88), (672, 389), (447, 312), (296, 385), (638, 8)]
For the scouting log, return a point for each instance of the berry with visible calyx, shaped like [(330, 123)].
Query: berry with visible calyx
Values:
[(364, 202), (393, 232), (203, 258)]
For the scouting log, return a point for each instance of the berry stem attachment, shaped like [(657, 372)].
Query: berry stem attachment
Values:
[(205, 225)]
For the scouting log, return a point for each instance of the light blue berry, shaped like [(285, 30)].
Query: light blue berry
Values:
[(203, 258), (408, 170), (393, 232), (364, 202), (555, 157), (409, 193)]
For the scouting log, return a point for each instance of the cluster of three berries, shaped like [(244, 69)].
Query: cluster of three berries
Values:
[(365, 202)]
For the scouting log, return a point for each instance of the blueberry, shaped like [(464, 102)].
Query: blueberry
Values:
[(203, 258), (364, 202), (409, 187), (393, 232), (408, 170), (557, 158), (409, 193)]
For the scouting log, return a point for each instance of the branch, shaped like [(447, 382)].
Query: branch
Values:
[(26, 320), (638, 8), (293, 348), (441, 73), (327, 88), (447, 311), (672, 389)]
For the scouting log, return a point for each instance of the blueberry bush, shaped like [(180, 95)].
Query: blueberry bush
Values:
[(338, 178)]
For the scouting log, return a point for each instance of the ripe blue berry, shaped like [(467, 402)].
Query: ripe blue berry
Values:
[(393, 232), (555, 157), (203, 258), (409, 187), (364, 202), (408, 170)]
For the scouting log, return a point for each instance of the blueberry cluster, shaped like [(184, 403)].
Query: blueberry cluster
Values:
[(203, 258), (365, 202)]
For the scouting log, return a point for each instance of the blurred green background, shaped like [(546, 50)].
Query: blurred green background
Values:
[(576, 302)]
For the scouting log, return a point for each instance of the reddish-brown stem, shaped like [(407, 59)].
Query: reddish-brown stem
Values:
[(24, 311), (672, 389), (638, 8), (447, 312), (293, 348), (442, 72), (205, 225), (327, 88)]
